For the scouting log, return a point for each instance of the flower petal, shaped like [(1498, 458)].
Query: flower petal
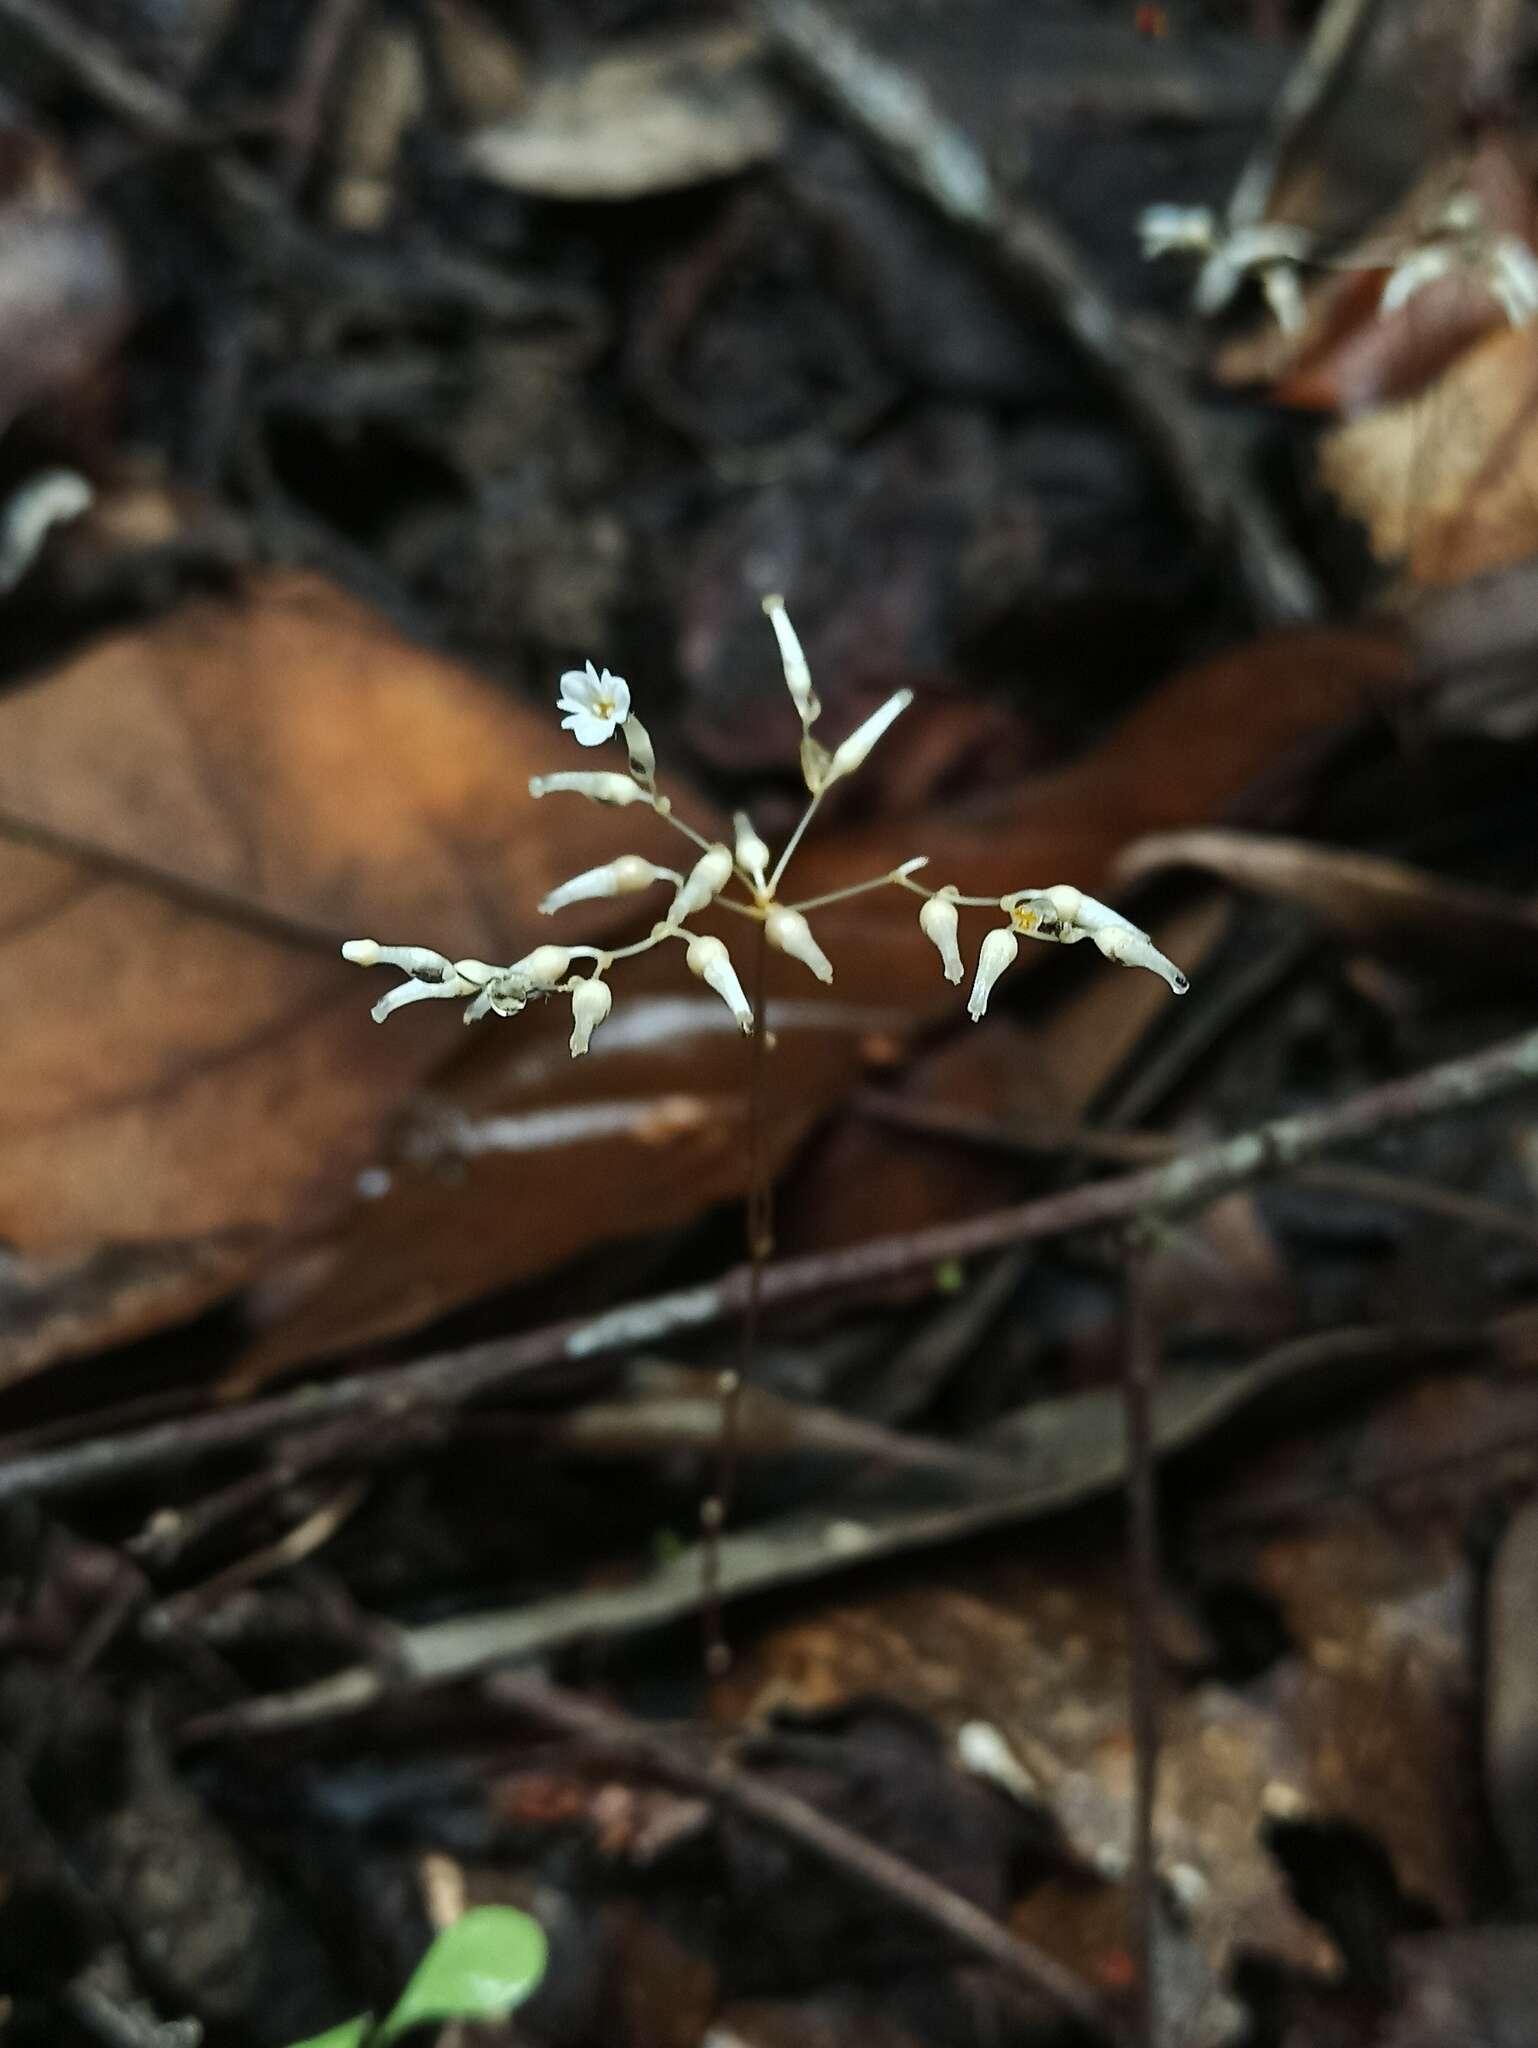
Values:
[(587, 730)]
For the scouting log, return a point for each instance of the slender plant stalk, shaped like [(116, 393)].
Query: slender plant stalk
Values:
[(1143, 1590), (760, 1234)]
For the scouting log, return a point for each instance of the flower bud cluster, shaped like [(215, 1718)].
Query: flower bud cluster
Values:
[(742, 879)]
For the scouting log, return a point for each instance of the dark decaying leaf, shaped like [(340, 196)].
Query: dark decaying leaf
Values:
[(1476, 1987), (1511, 1697), (1441, 929)]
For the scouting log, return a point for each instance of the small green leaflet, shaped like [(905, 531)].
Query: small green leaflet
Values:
[(478, 1969)]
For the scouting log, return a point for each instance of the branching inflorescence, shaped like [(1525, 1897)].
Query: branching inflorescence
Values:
[(743, 878)]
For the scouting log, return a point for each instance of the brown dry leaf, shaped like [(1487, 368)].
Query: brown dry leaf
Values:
[(655, 116), (1446, 483), (1036, 1650), (192, 816), (872, 1176), (1511, 1697), (1363, 1723), (522, 1157), (1474, 1987), (1187, 754), (1418, 919)]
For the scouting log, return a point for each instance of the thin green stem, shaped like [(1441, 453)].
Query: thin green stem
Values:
[(670, 817), (653, 938), (893, 875), (961, 902), (793, 842)]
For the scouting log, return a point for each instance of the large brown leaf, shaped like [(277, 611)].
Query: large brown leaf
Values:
[(191, 817)]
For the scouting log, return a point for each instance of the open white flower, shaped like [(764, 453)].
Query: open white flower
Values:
[(595, 704)]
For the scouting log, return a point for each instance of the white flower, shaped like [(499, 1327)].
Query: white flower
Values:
[(601, 788), (591, 1001), (432, 977), (706, 879), (788, 932), (1064, 915), (622, 877), (997, 952), (542, 968), (751, 853), (709, 959), (596, 704), (939, 921), (798, 677), (1513, 277), (1164, 230), (1284, 295), (852, 753), (1413, 273), (1504, 264)]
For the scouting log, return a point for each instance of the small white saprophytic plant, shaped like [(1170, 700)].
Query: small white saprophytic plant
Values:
[(742, 878)]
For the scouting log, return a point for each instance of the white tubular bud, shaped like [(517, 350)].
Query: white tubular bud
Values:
[(420, 961), (798, 677), (706, 879), (419, 992), (590, 1004), (939, 921), (709, 959), (602, 789), (997, 952), (476, 972), (1129, 947), (751, 853), (852, 753), (638, 744), (622, 877), (788, 932), (542, 968)]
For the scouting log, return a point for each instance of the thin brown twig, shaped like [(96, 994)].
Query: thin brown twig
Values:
[(1048, 1136), (326, 38), (140, 102), (1338, 29), (895, 115), (1060, 1469), (874, 1869), (1173, 1188), (1143, 1602)]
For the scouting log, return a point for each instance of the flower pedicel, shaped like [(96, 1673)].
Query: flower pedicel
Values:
[(744, 879)]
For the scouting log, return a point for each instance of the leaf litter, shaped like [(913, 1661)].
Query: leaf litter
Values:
[(392, 383)]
